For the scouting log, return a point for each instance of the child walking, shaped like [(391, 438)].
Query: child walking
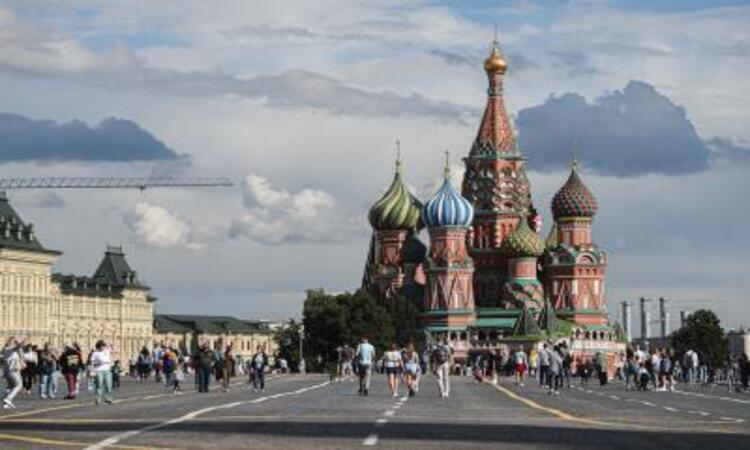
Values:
[(179, 375)]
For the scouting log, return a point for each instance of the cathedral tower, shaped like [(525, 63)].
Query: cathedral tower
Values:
[(396, 253), (574, 265), (495, 183), (449, 291)]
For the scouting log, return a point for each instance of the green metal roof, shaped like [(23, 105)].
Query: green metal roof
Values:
[(182, 323), (439, 328), (494, 322)]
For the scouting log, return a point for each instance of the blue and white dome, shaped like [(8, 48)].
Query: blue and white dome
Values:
[(447, 208)]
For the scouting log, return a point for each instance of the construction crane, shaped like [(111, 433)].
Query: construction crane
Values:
[(141, 183)]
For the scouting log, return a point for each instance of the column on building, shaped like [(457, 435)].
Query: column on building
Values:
[(395, 251), (449, 292), (496, 184)]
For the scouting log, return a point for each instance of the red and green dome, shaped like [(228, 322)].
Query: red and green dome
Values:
[(523, 242), (574, 199)]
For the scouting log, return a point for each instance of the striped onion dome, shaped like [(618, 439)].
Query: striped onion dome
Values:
[(397, 209), (447, 208), (523, 242), (574, 199)]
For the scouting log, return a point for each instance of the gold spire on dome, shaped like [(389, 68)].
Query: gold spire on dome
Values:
[(496, 63), (574, 157)]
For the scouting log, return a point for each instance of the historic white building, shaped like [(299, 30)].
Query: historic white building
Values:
[(41, 307)]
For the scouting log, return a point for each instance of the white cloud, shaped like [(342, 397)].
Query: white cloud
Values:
[(157, 227), (275, 216)]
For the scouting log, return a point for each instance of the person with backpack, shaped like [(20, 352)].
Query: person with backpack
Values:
[(665, 372), (203, 361), (13, 365), (411, 369), (71, 363), (442, 360), (365, 355), (259, 362), (46, 367), (144, 364)]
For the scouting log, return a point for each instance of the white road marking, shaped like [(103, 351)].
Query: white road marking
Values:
[(648, 403), (381, 422), (389, 413), (370, 440), (669, 408), (128, 434), (589, 392), (614, 397)]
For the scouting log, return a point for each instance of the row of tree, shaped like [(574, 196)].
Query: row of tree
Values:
[(330, 321)]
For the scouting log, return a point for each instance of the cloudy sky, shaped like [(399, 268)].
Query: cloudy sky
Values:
[(300, 102)]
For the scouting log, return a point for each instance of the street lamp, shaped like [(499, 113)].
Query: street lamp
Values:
[(301, 358)]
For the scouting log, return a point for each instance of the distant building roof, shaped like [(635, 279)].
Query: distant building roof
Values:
[(114, 269), (14, 233), (183, 323)]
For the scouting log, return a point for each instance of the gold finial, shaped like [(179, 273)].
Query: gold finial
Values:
[(574, 156), (447, 169), (398, 155), (495, 63)]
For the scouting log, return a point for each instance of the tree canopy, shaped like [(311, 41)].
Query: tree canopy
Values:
[(703, 333)]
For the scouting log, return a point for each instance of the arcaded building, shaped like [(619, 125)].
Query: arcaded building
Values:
[(487, 280), (39, 306)]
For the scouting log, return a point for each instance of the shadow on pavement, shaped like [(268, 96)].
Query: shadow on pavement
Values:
[(562, 437)]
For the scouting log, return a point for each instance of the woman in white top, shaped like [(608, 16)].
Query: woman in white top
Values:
[(12, 368), (393, 364), (411, 369), (101, 364)]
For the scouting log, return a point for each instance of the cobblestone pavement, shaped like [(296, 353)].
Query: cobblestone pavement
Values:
[(310, 412)]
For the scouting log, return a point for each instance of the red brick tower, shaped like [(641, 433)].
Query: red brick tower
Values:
[(574, 266), (496, 184)]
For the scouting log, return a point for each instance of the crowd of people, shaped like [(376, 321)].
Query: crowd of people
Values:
[(401, 365), (28, 368)]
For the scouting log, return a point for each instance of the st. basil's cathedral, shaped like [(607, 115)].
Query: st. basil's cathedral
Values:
[(488, 281)]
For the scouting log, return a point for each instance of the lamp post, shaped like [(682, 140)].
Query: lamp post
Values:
[(301, 357)]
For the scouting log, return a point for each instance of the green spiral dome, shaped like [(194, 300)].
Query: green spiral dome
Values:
[(523, 242), (398, 209)]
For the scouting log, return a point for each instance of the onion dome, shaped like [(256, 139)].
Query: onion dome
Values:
[(523, 242), (574, 199), (447, 208), (495, 63), (398, 209)]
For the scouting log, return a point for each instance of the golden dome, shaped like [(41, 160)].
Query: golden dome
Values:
[(495, 63)]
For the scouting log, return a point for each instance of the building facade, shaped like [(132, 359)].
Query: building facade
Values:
[(488, 281), (187, 332), (43, 307)]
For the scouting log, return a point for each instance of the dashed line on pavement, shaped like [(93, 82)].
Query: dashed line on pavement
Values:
[(128, 434), (370, 440)]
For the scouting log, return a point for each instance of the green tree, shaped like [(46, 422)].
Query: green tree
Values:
[(702, 332), (287, 340), (404, 314), (334, 320)]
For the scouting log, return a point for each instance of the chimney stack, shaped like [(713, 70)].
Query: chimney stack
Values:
[(645, 318), (626, 320), (663, 317)]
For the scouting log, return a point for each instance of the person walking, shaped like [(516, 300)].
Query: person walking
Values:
[(365, 356), (101, 363), (227, 367), (442, 360), (521, 363), (204, 362), (600, 363), (177, 378), (555, 371), (567, 362), (144, 363), (544, 357), (13, 365), (392, 362), (71, 363), (46, 367), (533, 362), (30, 363), (411, 369), (259, 363)]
